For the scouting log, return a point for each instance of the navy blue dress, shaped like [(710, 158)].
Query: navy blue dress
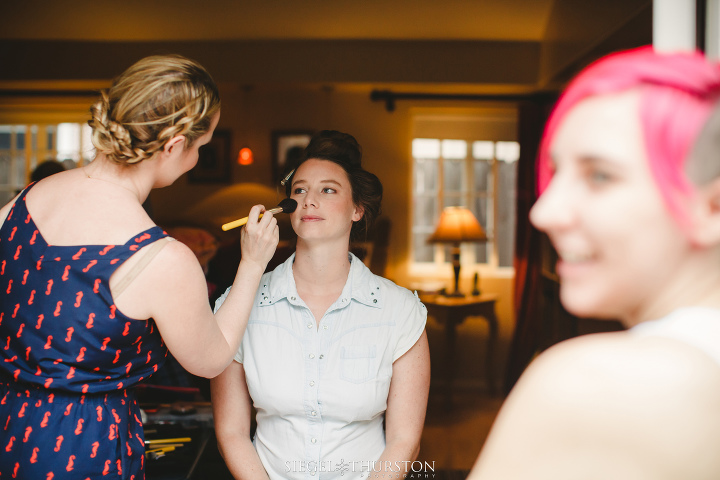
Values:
[(67, 358)]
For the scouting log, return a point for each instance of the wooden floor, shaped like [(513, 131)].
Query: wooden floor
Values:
[(450, 443), (452, 439)]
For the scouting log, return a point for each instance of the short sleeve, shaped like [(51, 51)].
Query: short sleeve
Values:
[(411, 324), (239, 355)]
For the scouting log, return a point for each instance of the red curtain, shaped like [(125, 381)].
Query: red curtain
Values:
[(528, 328)]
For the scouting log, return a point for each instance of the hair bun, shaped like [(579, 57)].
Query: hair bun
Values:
[(338, 146), (110, 137)]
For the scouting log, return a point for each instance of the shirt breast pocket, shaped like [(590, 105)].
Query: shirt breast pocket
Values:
[(358, 363)]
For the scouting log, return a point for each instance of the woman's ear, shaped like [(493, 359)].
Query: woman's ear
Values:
[(706, 225), (174, 145), (358, 213)]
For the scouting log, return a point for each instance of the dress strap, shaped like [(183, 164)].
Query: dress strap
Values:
[(119, 287)]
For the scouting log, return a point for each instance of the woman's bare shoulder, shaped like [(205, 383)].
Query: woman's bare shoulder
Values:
[(616, 401), (70, 210), (626, 360)]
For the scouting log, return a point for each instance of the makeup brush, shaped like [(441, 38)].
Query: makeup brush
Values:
[(288, 205)]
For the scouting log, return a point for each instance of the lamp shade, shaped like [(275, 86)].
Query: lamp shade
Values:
[(456, 225)]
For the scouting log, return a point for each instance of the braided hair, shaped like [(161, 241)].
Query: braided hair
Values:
[(156, 99)]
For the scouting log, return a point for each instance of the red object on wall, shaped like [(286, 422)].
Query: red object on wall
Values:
[(245, 157)]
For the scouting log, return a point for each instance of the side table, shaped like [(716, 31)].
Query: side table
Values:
[(451, 312)]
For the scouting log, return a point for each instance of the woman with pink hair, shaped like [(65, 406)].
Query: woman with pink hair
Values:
[(629, 177)]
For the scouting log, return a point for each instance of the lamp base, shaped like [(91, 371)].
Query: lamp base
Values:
[(456, 270), (454, 294)]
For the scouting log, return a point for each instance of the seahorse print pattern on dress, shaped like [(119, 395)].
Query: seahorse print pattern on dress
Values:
[(67, 358)]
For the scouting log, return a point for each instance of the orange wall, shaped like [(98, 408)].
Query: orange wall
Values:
[(385, 137)]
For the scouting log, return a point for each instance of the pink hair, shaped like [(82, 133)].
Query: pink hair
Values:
[(678, 92)]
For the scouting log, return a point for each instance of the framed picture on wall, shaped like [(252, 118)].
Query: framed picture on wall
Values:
[(287, 145), (214, 160)]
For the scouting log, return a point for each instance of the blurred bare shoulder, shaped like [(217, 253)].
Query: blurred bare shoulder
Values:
[(609, 406)]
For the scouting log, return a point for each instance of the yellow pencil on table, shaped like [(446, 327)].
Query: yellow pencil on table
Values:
[(168, 440)]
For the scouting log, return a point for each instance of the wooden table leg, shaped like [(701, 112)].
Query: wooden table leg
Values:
[(490, 354), (450, 358)]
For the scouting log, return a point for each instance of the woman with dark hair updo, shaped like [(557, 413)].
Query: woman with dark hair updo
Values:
[(331, 351), (94, 294)]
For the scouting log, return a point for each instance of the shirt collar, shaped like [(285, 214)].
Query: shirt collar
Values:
[(362, 285)]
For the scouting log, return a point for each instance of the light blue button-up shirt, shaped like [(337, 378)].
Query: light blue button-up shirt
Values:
[(321, 389)]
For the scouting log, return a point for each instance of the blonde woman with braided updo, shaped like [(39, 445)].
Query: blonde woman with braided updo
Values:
[(94, 294)]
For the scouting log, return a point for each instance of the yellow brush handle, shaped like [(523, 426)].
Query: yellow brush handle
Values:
[(168, 440), (242, 221)]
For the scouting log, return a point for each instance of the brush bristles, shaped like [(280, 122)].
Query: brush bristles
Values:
[(288, 205)]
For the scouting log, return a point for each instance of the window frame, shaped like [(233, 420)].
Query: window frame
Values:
[(441, 258)]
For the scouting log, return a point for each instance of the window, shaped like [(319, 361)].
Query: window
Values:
[(466, 161), (24, 147)]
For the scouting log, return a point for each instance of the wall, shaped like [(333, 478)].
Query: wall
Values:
[(252, 114)]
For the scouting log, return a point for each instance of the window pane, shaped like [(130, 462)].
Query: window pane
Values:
[(68, 141), (505, 221), (426, 173), (19, 171), (483, 150), (425, 211), (508, 151), (422, 251), (4, 137), (5, 197), (51, 137), (34, 138), (481, 252), (88, 153), (456, 149), (480, 208), (453, 201), (4, 168), (20, 139), (426, 148), (482, 176), (447, 254), (453, 175)]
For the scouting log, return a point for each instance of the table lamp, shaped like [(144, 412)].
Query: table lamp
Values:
[(457, 225)]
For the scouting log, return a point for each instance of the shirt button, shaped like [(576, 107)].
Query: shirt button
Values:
[(314, 440), (322, 356), (312, 355), (374, 300), (309, 325), (313, 413), (312, 383), (292, 298), (325, 327)]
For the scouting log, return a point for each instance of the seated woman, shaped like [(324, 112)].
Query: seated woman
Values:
[(331, 350), (630, 198)]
